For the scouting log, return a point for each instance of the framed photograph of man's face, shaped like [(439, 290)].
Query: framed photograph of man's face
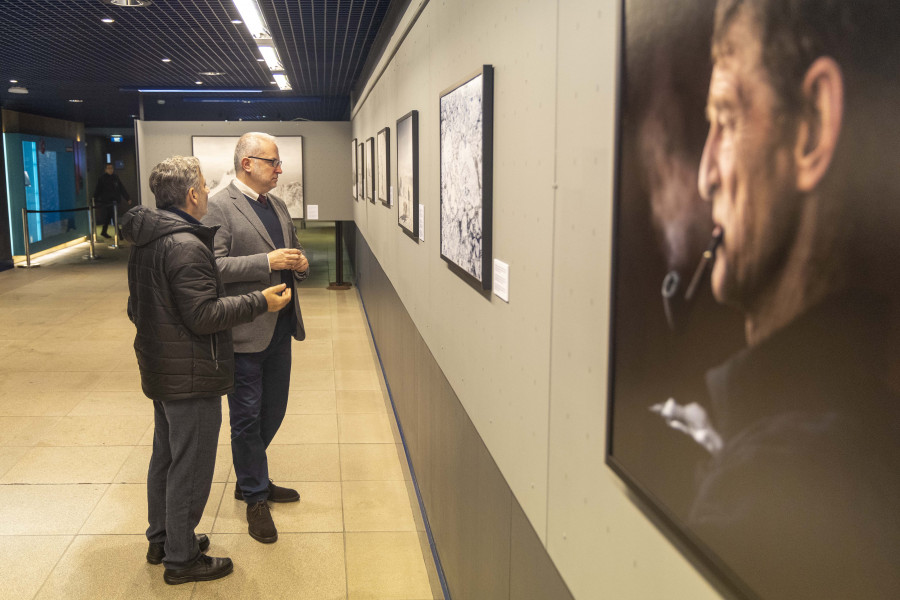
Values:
[(753, 399)]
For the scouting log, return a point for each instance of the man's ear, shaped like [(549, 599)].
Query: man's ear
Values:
[(191, 198), (245, 164), (820, 122)]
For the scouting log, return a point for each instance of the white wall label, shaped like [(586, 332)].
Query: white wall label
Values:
[(501, 280), (312, 212), (422, 222)]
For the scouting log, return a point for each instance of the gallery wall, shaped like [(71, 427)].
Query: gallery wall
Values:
[(531, 374), (326, 161)]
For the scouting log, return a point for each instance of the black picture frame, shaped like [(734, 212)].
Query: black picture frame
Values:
[(383, 166), (360, 171), (408, 174), (354, 169), (370, 170), (731, 444), (466, 112)]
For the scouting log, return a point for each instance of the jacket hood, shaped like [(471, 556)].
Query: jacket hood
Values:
[(142, 225)]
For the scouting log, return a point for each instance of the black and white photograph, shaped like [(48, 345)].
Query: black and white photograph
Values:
[(466, 139), (370, 170), (216, 154), (353, 168), (754, 381), (408, 173), (360, 171), (383, 165)]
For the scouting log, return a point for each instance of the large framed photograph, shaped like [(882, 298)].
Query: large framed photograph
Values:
[(466, 121), (408, 173), (360, 171), (370, 170), (383, 160), (753, 400), (216, 154), (353, 168)]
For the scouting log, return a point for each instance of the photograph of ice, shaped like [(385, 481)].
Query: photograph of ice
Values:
[(407, 173), (353, 167), (383, 161), (462, 178), (216, 154), (370, 174)]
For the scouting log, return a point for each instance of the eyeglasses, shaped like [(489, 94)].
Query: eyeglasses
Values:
[(272, 161)]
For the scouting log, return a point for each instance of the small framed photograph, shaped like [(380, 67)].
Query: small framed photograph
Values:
[(370, 170), (353, 168), (408, 173), (383, 162)]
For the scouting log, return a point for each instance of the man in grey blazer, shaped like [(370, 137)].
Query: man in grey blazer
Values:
[(256, 247)]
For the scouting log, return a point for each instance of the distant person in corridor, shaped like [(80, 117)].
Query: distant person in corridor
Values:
[(107, 193)]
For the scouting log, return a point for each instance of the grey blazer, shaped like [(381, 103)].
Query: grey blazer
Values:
[(241, 246)]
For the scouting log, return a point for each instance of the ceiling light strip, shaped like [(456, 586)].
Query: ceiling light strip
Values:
[(261, 34)]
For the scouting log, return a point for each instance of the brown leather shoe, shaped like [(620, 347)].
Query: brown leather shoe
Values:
[(260, 524), (157, 550), (276, 493), (206, 568)]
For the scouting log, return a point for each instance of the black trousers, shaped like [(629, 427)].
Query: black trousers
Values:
[(181, 471)]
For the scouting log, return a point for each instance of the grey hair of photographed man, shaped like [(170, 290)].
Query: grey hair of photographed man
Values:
[(171, 180), (249, 145)]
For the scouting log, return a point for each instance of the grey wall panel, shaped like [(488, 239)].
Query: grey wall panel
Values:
[(477, 525), (532, 574)]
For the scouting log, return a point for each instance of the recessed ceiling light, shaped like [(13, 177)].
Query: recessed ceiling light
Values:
[(75, 100), (14, 81), (260, 60), (129, 3), (16, 89), (167, 60), (237, 21), (199, 82), (212, 73), (108, 20)]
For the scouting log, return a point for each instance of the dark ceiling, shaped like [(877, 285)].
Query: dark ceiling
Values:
[(60, 50)]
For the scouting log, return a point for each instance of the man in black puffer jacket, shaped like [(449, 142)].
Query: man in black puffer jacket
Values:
[(184, 352)]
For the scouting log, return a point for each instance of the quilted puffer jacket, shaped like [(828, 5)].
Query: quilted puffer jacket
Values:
[(176, 301)]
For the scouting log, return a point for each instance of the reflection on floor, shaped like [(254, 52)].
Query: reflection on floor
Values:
[(75, 434)]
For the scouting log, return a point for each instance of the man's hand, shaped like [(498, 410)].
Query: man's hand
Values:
[(285, 258), (302, 264), (277, 297)]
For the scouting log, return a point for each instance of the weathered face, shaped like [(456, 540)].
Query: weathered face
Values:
[(109, 169), (745, 171), (263, 175)]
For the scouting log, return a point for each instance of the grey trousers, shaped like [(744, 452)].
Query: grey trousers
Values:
[(181, 471)]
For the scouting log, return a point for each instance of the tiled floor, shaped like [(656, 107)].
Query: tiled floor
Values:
[(75, 431)]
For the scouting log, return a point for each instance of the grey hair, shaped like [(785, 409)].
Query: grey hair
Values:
[(171, 180), (249, 145)]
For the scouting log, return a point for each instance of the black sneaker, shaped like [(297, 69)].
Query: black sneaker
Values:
[(206, 568), (157, 550), (260, 524), (104, 234), (276, 493)]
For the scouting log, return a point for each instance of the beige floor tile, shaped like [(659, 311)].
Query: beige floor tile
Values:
[(123, 510), (116, 430), (147, 438), (360, 401), (319, 510), (370, 462), (109, 566), (311, 402), (360, 359), (46, 509), (365, 379), (365, 428), (299, 566), (307, 429), (318, 333), (350, 334), (377, 506), (39, 404), (88, 464), (308, 379), (386, 566), (303, 462), (125, 380), (9, 456), (114, 403), (31, 558), (25, 431)]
